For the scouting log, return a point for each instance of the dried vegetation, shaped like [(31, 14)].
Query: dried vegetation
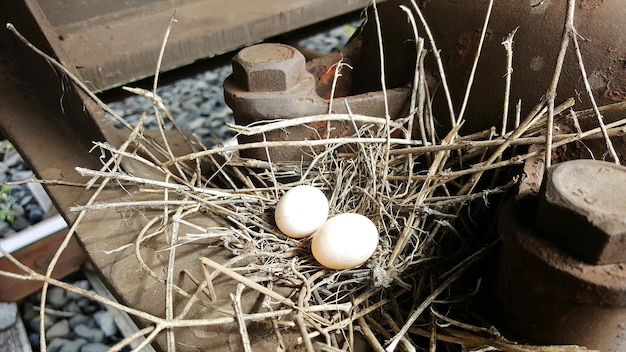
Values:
[(429, 196)]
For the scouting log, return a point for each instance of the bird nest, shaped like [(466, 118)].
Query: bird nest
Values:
[(433, 200)]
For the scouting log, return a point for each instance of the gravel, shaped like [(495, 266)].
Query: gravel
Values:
[(197, 103), (18, 207), (8, 315), (72, 322)]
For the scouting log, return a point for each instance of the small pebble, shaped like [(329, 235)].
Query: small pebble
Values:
[(94, 347), (21, 175), (5, 229), (26, 199), (72, 307), (73, 345), (20, 224), (35, 213), (34, 323), (89, 334), (56, 297), (55, 345), (11, 159), (8, 315), (79, 319), (82, 284), (87, 306), (106, 322), (59, 330), (18, 210)]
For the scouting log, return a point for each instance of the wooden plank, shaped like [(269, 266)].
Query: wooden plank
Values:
[(37, 256), (115, 42), (32, 84), (14, 337)]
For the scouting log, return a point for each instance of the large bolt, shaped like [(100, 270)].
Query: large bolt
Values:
[(582, 208), (268, 67)]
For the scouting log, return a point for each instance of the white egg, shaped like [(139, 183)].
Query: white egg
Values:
[(345, 241), (301, 211)]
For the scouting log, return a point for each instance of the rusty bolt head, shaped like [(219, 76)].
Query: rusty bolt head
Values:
[(268, 67), (582, 208)]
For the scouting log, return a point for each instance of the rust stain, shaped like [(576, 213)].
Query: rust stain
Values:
[(589, 5), (467, 45), (616, 88), (321, 128), (326, 77), (615, 95)]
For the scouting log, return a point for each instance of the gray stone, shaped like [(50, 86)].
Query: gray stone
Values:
[(106, 322), (72, 307), (17, 209), (12, 158), (73, 345), (35, 214), (20, 223), (55, 345), (27, 198), (5, 229), (56, 297), (79, 319), (87, 306), (94, 347), (8, 315), (21, 175), (84, 284), (66, 345), (192, 103), (89, 334), (59, 330), (33, 324)]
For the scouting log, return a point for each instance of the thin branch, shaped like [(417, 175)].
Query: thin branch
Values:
[(470, 82)]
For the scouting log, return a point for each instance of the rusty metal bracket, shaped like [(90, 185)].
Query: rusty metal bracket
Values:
[(272, 81)]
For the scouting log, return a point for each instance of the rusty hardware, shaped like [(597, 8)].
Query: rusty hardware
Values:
[(582, 207), (273, 81), (547, 294), (269, 68)]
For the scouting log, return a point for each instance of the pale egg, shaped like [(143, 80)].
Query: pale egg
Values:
[(345, 241), (301, 211)]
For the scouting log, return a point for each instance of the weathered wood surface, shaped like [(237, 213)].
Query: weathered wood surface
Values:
[(14, 338), (114, 42)]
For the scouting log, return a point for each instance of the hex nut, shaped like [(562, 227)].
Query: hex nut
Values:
[(268, 67), (582, 208)]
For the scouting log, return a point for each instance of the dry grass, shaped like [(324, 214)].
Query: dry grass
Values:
[(418, 192)]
